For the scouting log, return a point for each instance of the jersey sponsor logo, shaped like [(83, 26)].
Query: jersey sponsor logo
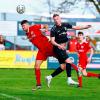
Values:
[(62, 33), (65, 28)]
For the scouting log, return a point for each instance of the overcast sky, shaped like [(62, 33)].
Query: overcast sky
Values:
[(40, 6), (31, 5)]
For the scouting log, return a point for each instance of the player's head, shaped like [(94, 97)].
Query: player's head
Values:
[(1, 39), (57, 19), (25, 25), (88, 38), (80, 35), (73, 37)]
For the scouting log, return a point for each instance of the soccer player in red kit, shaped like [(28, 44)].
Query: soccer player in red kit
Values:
[(82, 48), (72, 44), (45, 48)]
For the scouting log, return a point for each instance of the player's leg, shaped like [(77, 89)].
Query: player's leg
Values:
[(64, 58), (81, 69), (68, 60), (39, 60), (79, 74), (90, 74), (55, 73), (38, 72), (85, 73), (68, 65), (58, 71)]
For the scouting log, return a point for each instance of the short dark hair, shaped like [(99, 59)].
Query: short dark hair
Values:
[(54, 15), (80, 33), (24, 21)]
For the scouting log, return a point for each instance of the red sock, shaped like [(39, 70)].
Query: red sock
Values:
[(74, 67), (38, 75), (80, 81), (89, 74)]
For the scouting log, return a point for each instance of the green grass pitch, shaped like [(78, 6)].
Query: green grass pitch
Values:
[(16, 84)]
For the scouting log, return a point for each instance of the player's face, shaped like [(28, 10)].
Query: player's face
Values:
[(80, 36), (57, 20), (87, 38), (1, 38), (25, 27)]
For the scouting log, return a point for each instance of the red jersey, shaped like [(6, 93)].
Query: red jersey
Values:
[(82, 49), (72, 45), (39, 40)]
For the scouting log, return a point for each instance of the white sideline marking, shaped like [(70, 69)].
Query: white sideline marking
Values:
[(9, 96)]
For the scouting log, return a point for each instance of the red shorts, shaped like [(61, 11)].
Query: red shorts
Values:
[(42, 56), (46, 52), (82, 63)]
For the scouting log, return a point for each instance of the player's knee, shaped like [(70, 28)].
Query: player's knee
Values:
[(37, 66), (84, 74), (68, 60), (63, 67)]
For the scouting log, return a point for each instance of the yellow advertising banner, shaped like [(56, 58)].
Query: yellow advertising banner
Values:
[(19, 59)]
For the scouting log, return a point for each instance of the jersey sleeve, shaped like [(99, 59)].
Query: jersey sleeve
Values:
[(88, 46), (68, 25), (52, 33), (37, 26)]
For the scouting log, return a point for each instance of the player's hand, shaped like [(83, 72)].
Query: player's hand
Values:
[(61, 47), (89, 60), (88, 26), (67, 51)]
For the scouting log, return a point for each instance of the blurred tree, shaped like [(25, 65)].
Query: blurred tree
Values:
[(67, 5), (96, 4)]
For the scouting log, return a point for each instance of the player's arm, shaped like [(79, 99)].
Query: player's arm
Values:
[(56, 44), (53, 41), (81, 27), (91, 54), (68, 46)]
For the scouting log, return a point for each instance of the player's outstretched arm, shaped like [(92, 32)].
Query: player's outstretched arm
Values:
[(81, 27), (91, 54)]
